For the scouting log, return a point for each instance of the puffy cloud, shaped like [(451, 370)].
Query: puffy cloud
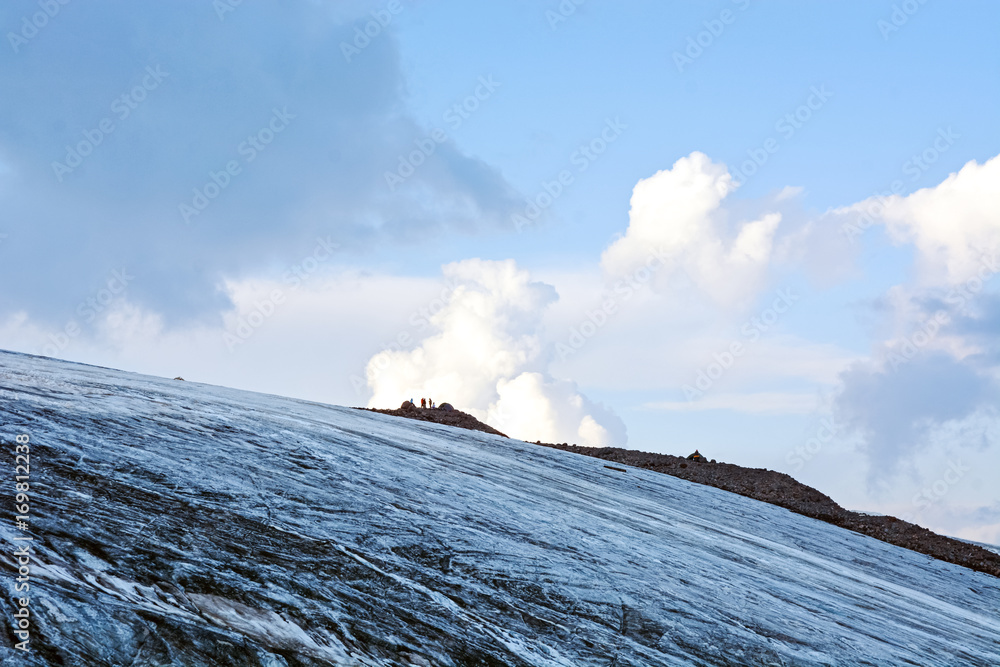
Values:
[(540, 408), (935, 368), (955, 225), (486, 356), (677, 215)]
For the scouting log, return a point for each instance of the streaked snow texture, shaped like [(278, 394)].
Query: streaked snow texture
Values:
[(183, 524)]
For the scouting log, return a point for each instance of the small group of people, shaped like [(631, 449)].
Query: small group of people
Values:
[(425, 402)]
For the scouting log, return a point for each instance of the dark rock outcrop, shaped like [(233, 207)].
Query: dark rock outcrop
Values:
[(439, 415)]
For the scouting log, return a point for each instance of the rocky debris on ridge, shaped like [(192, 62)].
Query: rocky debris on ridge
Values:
[(439, 415), (784, 491)]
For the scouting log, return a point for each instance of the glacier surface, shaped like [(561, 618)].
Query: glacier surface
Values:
[(181, 524)]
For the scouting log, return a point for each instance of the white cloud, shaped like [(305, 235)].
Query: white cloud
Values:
[(537, 408), (475, 341), (953, 225), (486, 357), (676, 214), (931, 366)]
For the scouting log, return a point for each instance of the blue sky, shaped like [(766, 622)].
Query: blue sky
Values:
[(239, 180)]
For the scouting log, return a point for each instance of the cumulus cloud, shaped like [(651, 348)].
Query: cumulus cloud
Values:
[(934, 368), (485, 355), (677, 215), (534, 406), (955, 225)]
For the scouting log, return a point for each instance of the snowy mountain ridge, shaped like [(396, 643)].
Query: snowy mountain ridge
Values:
[(182, 524)]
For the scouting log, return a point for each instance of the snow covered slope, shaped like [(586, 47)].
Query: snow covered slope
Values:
[(181, 524)]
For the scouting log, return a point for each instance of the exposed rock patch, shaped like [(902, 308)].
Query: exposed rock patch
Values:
[(440, 415)]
